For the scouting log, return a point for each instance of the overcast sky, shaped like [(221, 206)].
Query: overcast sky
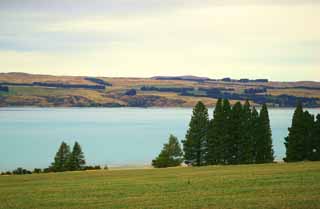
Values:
[(275, 39)]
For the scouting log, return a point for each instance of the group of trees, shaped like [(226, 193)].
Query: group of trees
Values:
[(237, 134), (303, 140), (68, 161), (64, 160)]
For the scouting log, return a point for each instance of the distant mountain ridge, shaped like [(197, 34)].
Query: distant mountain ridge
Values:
[(183, 77), (202, 79), (23, 89)]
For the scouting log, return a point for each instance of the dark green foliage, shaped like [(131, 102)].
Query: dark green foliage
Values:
[(225, 137), (248, 128), (195, 145), (303, 141), (21, 171), (171, 155), (76, 160), (264, 143), (214, 135), (295, 141), (6, 173), (37, 170), (239, 135), (66, 160), (235, 131), (61, 158), (310, 144), (254, 134), (89, 167), (315, 141)]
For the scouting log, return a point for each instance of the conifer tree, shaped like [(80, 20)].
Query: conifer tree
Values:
[(226, 136), (236, 134), (246, 143), (309, 127), (295, 141), (214, 135), (195, 144), (254, 133), (171, 154), (76, 160), (61, 158), (264, 145)]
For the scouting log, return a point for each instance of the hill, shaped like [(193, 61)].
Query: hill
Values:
[(294, 185), (21, 89)]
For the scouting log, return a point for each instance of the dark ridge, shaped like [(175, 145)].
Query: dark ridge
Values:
[(255, 90), (98, 81), (61, 85), (281, 100), (57, 85), (4, 88), (131, 92), (215, 89), (246, 80), (183, 78), (166, 89)]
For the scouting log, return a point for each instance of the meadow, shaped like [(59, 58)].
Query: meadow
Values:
[(277, 185)]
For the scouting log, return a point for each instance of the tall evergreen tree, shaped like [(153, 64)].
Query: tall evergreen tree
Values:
[(236, 133), (295, 141), (254, 134), (171, 154), (76, 160), (61, 158), (195, 145), (246, 143), (226, 136), (309, 128), (264, 145), (214, 135)]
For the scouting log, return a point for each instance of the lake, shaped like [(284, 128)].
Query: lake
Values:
[(30, 137)]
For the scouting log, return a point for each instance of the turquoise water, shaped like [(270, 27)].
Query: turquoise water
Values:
[(30, 137)]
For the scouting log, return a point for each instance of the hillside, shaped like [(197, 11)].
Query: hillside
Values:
[(21, 89), (292, 185)]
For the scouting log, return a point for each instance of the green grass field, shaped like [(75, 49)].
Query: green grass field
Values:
[(295, 185)]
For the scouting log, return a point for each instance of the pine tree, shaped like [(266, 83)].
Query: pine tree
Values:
[(195, 145), (226, 134), (264, 140), (309, 129), (236, 132), (171, 154), (61, 158), (214, 135), (76, 160), (254, 134), (246, 143), (295, 141)]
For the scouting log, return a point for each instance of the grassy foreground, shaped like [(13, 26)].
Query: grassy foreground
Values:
[(295, 185)]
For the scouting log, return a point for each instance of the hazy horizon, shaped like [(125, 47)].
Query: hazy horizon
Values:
[(277, 40)]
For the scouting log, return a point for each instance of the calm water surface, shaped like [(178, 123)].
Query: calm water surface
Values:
[(30, 137)]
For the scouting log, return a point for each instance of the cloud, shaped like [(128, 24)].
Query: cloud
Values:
[(145, 38)]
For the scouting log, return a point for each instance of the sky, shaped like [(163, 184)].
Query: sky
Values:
[(274, 39)]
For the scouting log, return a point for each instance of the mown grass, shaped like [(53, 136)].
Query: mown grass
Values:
[(295, 185)]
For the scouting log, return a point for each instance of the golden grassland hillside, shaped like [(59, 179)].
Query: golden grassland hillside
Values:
[(21, 89)]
